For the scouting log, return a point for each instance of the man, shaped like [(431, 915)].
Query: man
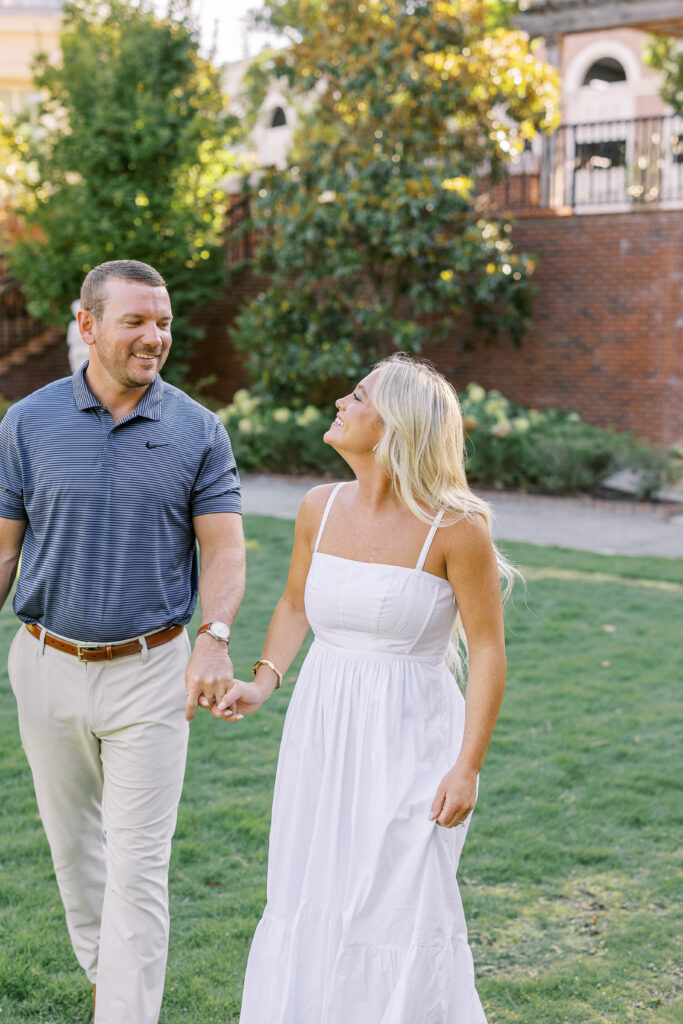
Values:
[(108, 478)]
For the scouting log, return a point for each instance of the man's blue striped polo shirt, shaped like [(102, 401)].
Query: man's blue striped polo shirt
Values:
[(110, 550)]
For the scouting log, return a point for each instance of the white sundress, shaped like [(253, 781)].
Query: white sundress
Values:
[(364, 923)]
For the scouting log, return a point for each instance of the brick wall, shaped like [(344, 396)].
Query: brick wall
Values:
[(607, 332), (215, 355), (34, 366), (31, 353)]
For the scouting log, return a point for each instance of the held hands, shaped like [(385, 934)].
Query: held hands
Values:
[(209, 675), (455, 797), (243, 699)]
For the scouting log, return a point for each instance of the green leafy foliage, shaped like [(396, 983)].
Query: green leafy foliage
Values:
[(269, 437), (376, 234), (666, 55), (121, 160), (508, 446), (5, 403), (552, 450)]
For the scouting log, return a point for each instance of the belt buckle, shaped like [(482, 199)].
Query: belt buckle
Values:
[(79, 652)]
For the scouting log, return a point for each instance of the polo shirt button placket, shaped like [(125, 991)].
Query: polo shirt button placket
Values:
[(103, 414), (107, 450)]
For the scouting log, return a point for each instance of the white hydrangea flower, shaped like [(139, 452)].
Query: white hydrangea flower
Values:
[(476, 392), (501, 429)]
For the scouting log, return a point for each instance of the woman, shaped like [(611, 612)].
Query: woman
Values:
[(380, 753)]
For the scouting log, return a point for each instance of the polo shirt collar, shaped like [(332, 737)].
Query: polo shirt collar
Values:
[(148, 407), (82, 393)]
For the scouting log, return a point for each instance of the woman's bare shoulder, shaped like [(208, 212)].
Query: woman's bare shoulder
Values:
[(313, 504), (468, 536)]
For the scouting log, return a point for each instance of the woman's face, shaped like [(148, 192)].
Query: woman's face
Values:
[(357, 428)]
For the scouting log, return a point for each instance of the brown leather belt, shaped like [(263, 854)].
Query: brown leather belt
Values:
[(105, 652)]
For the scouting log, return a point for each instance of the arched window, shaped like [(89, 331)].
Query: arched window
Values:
[(607, 70), (279, 118)]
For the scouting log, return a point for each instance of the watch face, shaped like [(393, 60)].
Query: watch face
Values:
[(220, 630)]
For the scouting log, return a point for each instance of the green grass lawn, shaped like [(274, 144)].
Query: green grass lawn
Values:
[(569, 873)]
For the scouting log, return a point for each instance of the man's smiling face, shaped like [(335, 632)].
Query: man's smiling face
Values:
[(130, 344)]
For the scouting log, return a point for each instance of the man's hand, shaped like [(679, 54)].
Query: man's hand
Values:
[(209, 675)]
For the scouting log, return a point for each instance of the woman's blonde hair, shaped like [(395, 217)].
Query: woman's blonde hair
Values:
[(422, 451)]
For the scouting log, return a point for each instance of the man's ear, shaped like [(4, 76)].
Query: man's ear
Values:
[(86, 325)]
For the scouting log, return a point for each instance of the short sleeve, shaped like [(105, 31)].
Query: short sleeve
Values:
[(217, 487), (11, 476)]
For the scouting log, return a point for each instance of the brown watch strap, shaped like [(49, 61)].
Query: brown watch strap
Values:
[(205, 628)]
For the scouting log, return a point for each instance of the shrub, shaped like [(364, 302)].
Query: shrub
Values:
[(551, 451), (507, 445), (268, 437)]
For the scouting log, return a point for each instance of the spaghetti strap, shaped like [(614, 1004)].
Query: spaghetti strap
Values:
[(428, 542), (326, 513)]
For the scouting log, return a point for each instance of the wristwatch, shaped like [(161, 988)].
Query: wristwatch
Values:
[(218, 630)]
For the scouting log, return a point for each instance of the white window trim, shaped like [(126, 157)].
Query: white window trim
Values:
[(601, 48)]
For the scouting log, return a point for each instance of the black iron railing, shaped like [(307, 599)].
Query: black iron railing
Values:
[(602, 165)]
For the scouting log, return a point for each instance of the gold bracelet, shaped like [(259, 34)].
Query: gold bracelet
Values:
[(264, 661)]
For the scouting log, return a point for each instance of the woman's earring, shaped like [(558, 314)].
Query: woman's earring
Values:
[(375, 447)]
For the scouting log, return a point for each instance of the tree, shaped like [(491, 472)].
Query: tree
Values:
[(666, 55), (123, 159), (376, 234)]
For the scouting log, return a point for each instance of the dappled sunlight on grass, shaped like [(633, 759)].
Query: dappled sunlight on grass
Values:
[(570, 945), (536, 573)]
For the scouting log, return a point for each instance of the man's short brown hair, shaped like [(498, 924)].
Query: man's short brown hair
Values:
[(94, 293)]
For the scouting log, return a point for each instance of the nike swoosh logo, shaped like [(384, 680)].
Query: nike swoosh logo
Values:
[(159, 444)]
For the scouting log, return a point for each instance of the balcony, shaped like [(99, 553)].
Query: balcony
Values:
[(560, 17), (601, 167)]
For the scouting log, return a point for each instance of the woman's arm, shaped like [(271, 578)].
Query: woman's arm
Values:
[(473, 574), (288, 625)]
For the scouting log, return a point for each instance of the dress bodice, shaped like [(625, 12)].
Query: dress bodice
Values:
[(378, 608)]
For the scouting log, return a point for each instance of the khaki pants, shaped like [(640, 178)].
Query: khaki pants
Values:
[(106, 743)]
